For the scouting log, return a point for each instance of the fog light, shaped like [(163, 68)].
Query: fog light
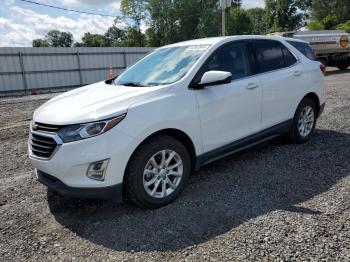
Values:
[(97, 170)]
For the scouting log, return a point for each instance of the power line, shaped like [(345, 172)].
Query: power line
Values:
[(66, 9)]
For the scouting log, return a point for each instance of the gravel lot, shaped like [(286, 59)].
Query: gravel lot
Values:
[(271, 202)]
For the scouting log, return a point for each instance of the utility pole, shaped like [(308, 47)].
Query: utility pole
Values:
[(223, 5), (223, 21)]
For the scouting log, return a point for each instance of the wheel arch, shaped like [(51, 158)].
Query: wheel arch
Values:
[(180, 135), (314, 97)]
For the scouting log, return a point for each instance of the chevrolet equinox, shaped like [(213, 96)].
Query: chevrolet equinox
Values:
[(140, 135)]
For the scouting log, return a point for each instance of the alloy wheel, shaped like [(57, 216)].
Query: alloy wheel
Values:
[(163, 173), (306, 121)]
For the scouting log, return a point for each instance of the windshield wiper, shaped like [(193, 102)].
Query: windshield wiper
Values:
[(135, 84)]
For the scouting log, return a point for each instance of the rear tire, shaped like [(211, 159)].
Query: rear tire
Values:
[(343, 65), (157, 172), (304, 122)]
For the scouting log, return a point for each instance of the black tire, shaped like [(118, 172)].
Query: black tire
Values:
[(294, 135), (343, 65), (134, 177)]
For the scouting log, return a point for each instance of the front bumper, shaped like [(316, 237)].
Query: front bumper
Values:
[(114, 192), (70, 162)]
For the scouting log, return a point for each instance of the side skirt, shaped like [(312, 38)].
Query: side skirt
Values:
[(243, 143)]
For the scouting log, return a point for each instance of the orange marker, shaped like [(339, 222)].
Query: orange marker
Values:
[(110, 72)]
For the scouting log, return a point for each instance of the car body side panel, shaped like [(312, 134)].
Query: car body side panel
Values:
[(177, 109), (229, 112), (282, 92), (315, 78)]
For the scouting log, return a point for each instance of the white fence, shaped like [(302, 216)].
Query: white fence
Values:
[(27, 69)]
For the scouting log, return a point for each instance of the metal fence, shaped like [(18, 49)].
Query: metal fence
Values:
[(27, 69)]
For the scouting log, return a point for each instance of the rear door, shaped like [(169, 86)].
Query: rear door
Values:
[(282, 81), (229, 111)]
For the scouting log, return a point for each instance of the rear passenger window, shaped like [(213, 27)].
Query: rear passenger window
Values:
[(272, 55), (231, 58)]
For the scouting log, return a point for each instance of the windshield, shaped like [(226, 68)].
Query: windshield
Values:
[(163, 66)]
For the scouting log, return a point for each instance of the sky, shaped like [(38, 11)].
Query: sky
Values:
[(22, 22)]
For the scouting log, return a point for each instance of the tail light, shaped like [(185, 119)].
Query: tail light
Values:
[(323, 69)]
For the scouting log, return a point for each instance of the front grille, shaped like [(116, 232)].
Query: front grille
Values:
[(47, 127), (42, 146)]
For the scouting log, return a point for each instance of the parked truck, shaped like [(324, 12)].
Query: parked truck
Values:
[(331, 46)]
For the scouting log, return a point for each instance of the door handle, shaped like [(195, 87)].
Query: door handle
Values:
[(298, 73), (252, 86)]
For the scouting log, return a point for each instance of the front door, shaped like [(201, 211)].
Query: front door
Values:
[(229, 111)]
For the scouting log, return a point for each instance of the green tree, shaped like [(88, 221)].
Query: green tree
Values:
[(259, 23), (327, 23), (187, 20), (172, 21), (54, 38), (238, 22), (320, 9), (284, 15), (344, 26), (152, 38), (133, 38), (93, 40), (315, 25), (330, 21), (40, 43), (135, 10), (209, 19), (163, 22), (115, 35)]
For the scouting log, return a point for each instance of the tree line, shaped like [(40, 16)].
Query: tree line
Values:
[(159, 22), (330, 14)]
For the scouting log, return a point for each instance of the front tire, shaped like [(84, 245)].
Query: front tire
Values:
[(304, 122), (157, 172)]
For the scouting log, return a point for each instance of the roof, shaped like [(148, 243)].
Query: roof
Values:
[(203, 41), (222, 39)]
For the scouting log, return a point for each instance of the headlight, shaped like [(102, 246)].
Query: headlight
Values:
[(81, 131)]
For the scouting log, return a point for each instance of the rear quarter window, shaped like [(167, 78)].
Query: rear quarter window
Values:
[(305, 49), (289, 58)]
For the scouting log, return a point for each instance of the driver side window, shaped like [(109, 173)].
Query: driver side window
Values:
[(231, 58)]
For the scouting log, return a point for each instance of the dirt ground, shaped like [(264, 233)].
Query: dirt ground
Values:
[(272, 202)]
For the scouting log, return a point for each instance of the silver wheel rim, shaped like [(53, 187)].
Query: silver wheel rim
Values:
[(306, 121), (163, 173)]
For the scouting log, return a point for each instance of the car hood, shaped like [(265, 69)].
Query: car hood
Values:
[(93, 102)]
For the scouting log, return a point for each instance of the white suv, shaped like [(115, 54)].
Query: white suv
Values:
[(141, 134)]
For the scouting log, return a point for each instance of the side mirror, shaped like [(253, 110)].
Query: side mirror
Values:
[(215, 78)]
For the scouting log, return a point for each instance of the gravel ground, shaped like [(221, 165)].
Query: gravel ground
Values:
[(272, 202)]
